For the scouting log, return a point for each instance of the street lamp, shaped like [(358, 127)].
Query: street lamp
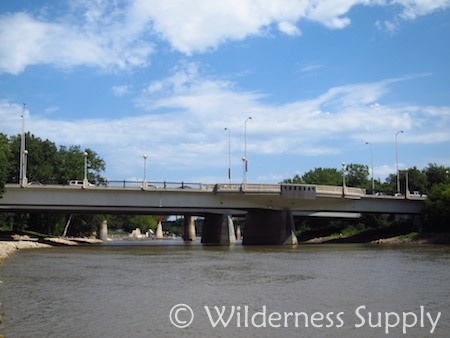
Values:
[(396, 157), (22, 149), (407, 184), (145, 167), (25, 160), (343, 178), (144, 182), (85, 180), (244, 158), (229, 154), (371, 158)]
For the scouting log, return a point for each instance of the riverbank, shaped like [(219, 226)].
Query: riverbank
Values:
[(410, 239), (19, 242)]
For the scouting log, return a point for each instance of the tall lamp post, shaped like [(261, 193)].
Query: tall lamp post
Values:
[(25, 160), (343, 179), (396, 158), (22, 179), (245, 159), (371, 159), (85, 180), (144, 183), (229, 154)]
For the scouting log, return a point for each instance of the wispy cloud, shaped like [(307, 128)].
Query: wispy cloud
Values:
[(124, 35), (121, 90), (185, 120)]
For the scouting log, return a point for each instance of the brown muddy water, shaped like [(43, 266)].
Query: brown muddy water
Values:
[(168, 289)]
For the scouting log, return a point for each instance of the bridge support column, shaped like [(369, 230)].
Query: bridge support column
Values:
[(238, 233), (274, 227), (189, 228), (103, 233), (218, 229), (159, 232)]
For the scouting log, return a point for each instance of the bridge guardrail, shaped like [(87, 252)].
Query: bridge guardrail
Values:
[(335, 190), (156, 185), (248, 188)]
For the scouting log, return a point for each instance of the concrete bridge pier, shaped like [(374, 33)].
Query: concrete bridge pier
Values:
[(103, 233), (159, 232), (189, 228), (218, 229), (271, 227)]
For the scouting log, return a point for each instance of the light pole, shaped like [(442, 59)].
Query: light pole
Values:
[(229, 154), (343, 179), (22, 150), (85, 180), (371, 159), (407, 184), (244, 158), (396, 157), (25, 160), (144, 183), (145, 167)]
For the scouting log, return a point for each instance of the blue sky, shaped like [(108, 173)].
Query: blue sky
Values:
[(164, 78)]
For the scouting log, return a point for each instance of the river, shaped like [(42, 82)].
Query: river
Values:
[(167, 288)]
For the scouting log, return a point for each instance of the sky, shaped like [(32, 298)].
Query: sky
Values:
[(323, 81)]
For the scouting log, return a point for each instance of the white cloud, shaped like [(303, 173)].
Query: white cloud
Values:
[(288, 28), (123, 35), (25, 41), (121, 90), (187, 113)]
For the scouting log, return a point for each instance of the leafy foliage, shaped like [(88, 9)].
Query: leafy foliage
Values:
[(436, 213), (46, 163)]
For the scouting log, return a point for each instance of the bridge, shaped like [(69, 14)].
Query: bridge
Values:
[(268, 208)]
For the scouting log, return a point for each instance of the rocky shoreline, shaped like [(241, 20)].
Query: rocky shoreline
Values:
[(7, 247), (432, 238)]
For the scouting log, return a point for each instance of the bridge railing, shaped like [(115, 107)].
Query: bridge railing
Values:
[(248, 188), (335, 190), (156, 185)]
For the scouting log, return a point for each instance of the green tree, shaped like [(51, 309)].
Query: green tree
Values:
[(72, 165), (143, 222), (323, 176), (417, 180), (357, 175), (436, 174), (41, 159), (5, 162), (436, 213), (295, 180)]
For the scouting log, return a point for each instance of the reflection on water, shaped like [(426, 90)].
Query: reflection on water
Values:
[(127, 289)]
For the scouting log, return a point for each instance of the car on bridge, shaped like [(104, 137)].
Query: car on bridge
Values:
[(80, 183)]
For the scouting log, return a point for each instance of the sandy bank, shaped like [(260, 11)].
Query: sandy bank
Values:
[(428, 239), (7, 247), (433, 238)]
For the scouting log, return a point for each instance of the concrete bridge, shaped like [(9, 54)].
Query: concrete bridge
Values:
[(268, 208)]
